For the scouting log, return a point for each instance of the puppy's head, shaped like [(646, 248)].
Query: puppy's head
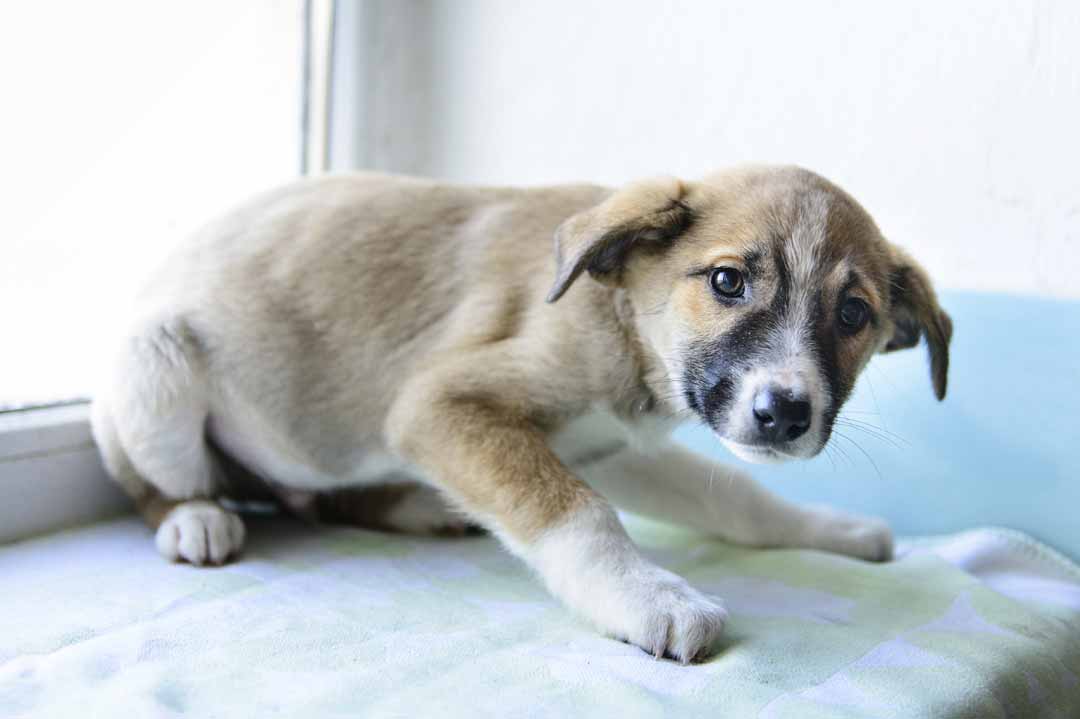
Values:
[(760, 295)]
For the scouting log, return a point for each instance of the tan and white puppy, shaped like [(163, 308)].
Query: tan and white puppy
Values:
[(398, 353)]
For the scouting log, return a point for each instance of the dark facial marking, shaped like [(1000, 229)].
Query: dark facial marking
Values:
[(717, 399), (783, 278), (752, 260), (709, 381), (826, 341)]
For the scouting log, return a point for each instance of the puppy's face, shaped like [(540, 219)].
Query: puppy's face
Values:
[(761, 293)]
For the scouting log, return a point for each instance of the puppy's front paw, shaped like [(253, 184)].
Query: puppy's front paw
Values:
[(661, 613), (200, 532), (590, 563), (853, 535)]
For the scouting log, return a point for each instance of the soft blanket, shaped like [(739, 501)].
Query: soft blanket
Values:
[(340, 622)]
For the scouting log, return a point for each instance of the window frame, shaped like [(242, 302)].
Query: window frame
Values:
[(51, 475)]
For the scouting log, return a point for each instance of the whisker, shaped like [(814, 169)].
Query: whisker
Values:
[(895, 444), (879, 433), (873, 395), (871, 427), (844, 454), (828, 455), (864, 452)]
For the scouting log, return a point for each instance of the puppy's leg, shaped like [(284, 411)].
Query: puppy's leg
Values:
[(680, 486), (409, 507), (150, 429), (484, 450)]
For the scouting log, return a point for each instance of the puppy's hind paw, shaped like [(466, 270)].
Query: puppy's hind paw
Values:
[(200, 532)]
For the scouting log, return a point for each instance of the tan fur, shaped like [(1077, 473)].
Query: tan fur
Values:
[(344, 329)]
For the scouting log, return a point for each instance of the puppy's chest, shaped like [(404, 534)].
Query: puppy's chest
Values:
[(600, 432)]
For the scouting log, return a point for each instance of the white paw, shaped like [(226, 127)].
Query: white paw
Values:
[(200, 532), (665, 616), (853, 535), (590, 563)]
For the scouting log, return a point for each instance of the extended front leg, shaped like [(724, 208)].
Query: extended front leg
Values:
[(683, 487), (490, 458)]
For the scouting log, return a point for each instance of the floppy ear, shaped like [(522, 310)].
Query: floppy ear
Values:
[(644, 216), (916, 313)]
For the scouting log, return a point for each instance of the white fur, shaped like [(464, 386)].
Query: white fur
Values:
[(677, 485), (832, 530), (595, 432), (798, 373), (254, 442), (200, 533), (590, 564), (161, 391), (601, 432)]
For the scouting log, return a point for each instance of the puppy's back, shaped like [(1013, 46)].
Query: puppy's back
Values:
[(347, 280)]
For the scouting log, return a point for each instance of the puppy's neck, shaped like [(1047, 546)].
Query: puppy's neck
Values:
[(648, 392)]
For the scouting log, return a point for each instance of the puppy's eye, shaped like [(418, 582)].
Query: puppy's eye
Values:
[(853, 314), (727, 282)]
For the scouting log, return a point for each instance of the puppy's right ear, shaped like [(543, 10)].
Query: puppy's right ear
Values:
[(645, 216)]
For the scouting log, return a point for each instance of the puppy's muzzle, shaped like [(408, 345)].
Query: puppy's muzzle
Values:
[(780, 415)]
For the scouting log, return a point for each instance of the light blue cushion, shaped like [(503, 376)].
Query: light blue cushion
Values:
[(1000, 450)]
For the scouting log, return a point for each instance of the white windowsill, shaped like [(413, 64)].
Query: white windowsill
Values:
[(50, 473)]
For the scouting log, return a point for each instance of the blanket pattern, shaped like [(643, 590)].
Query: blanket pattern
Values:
[(342, 622)]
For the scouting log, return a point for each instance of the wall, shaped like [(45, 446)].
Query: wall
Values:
[(954, 123)]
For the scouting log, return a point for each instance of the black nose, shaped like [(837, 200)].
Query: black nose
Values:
[(780, 416)]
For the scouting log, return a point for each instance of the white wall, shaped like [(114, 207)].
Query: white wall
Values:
[(955, 124)]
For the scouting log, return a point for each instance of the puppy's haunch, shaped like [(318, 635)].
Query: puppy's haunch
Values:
[(357, 332)]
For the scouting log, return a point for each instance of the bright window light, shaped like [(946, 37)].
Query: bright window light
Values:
[(126, 125)]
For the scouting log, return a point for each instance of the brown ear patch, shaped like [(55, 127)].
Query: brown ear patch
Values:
[(916, 313), (644, 217)]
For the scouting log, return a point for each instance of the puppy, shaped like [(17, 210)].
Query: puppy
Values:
[(408, 354)]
